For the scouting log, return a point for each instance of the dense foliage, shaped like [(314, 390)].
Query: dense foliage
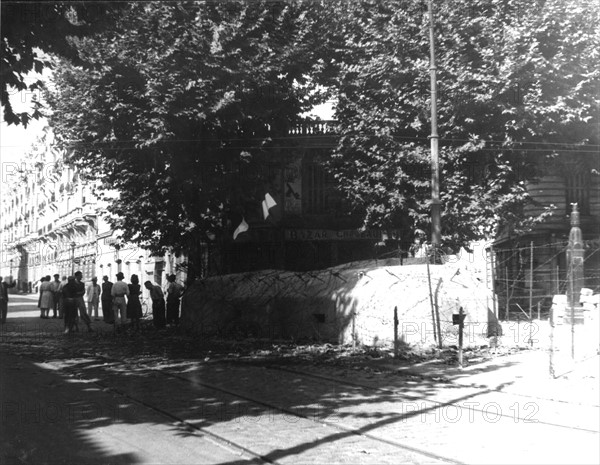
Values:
[(517, 79), (179, 103), (174, 105), (31, 33)]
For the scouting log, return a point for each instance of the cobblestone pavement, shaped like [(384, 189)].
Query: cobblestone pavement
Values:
[(164, 397)]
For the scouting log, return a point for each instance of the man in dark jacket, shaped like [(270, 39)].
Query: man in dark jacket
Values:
[(108, 313), (80, 300), (158, 305), (70, 304), (4, 286), (174, 292)]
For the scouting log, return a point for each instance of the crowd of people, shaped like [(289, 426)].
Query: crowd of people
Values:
[(120, 302)]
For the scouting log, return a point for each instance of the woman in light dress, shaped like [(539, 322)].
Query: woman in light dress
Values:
[(46, 297)]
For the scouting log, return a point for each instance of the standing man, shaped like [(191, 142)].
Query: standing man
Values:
[(174, 292), (55, 286), (61, 299), (108, 312), (93, 297), (158, 304), (80, 300), (118, 292), (4, 286), (69, 305)]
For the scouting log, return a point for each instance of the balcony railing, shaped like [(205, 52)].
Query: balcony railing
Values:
[(313, 128)]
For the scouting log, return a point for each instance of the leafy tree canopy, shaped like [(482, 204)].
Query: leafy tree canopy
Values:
[(516, 79), (172, 104), (33, 29), (178, 101)]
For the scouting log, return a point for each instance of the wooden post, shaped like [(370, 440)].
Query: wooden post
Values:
[(487, 284), (551, 360), (353, 331), (507, 311), (493, 268), (530, 279), (437, 314), (395, 332), (461, 326), (435, 336), (539, 307), (554, 263), (572, 304)]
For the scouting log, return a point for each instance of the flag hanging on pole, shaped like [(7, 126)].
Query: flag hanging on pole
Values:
[(267, 204), (243, 227)]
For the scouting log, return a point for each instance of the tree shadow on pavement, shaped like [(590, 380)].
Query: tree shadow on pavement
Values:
[(170, 384), (46, 420)]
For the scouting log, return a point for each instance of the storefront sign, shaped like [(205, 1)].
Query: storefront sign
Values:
[(342, 235)]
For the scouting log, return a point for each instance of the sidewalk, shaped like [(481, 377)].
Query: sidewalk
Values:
[(525, 373)]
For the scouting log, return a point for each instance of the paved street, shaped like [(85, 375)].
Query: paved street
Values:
[(163, 397)]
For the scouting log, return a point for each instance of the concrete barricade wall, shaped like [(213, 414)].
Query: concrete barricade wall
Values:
[(353, 303)]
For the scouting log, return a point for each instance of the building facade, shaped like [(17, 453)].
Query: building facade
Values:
[(51, 222), (48, 221), (308, 225), (531, 268)]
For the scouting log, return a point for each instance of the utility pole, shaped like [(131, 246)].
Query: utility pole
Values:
[(436, 222), (530, 279)]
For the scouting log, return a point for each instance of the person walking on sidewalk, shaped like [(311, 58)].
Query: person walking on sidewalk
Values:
[(134, 306), (55, 285), (46, 301), (174, 292), (158, 304), (4, 287), (93, 297), (108, 312), (118, 292), (81, 301)]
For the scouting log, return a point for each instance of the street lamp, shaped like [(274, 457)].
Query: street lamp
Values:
[(436, 222), (73, 245)]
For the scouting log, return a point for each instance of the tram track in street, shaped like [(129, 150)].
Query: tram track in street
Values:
[(428, 399), (263, 458), (286, 411), (273, 407), (174, 371)]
